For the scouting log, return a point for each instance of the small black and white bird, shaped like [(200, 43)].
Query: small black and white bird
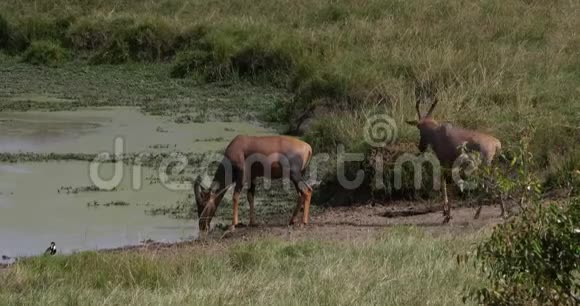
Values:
[(51, 249)]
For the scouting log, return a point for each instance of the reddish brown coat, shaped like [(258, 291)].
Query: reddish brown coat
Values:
[(247, 158)]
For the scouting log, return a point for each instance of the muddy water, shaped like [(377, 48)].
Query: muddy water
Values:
[(94, 130), (32, 210)]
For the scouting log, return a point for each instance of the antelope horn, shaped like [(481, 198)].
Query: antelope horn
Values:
[(435, 100), (418, 93)]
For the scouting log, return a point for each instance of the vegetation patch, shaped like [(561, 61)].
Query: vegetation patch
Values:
[(209, 139), (291, 271), (75, 190), (34, 157), (180, 210), (533, 259), (107, 204), (45, 53), (4, 32)]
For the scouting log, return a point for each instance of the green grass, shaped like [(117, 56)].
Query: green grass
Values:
[(74, 85), (402, 266), (44, 53), (486, 55)]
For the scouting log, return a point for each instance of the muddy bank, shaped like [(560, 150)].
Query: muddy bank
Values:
[(330, 224)]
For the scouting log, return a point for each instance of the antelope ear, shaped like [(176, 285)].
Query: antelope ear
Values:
[(412, 122)]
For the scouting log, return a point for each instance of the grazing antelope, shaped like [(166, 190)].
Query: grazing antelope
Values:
[(250, 157), (446, 140)]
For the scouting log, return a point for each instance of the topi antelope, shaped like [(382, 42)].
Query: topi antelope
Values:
[(250, 157), (446, 140)]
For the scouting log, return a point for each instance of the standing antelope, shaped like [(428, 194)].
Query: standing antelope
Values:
[(247, 158), (446, 140)]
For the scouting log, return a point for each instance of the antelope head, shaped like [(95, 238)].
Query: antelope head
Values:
[(207, 201), (425, 123)]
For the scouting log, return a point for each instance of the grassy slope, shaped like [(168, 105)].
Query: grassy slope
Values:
[(491, 55), (404, 266)]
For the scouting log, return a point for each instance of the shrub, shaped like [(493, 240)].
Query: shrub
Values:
[(323, 85), (191, 62), (151, 40), (116, 52), (256, 60), (89, 34), (4, 33), (515, 180), (11, 40), (44, 53), (193, 37), (225, 52), (120, 39), (534, 259)]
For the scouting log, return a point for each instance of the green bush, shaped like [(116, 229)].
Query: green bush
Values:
[(324, 85), (533, 259), (258, 60), (89, 33), (120, 39), (192, 37), (192, 62), (44, 53), (115, 52), (151, 40), (4, 33), (11, 40), (224, 53)]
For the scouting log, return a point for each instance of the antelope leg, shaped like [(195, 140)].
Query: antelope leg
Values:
[(504, 213), (251, 191), (302, 189), (446, 209), (308, 197), (297, 209), (478, 211), (236, 204), (239, 179)]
